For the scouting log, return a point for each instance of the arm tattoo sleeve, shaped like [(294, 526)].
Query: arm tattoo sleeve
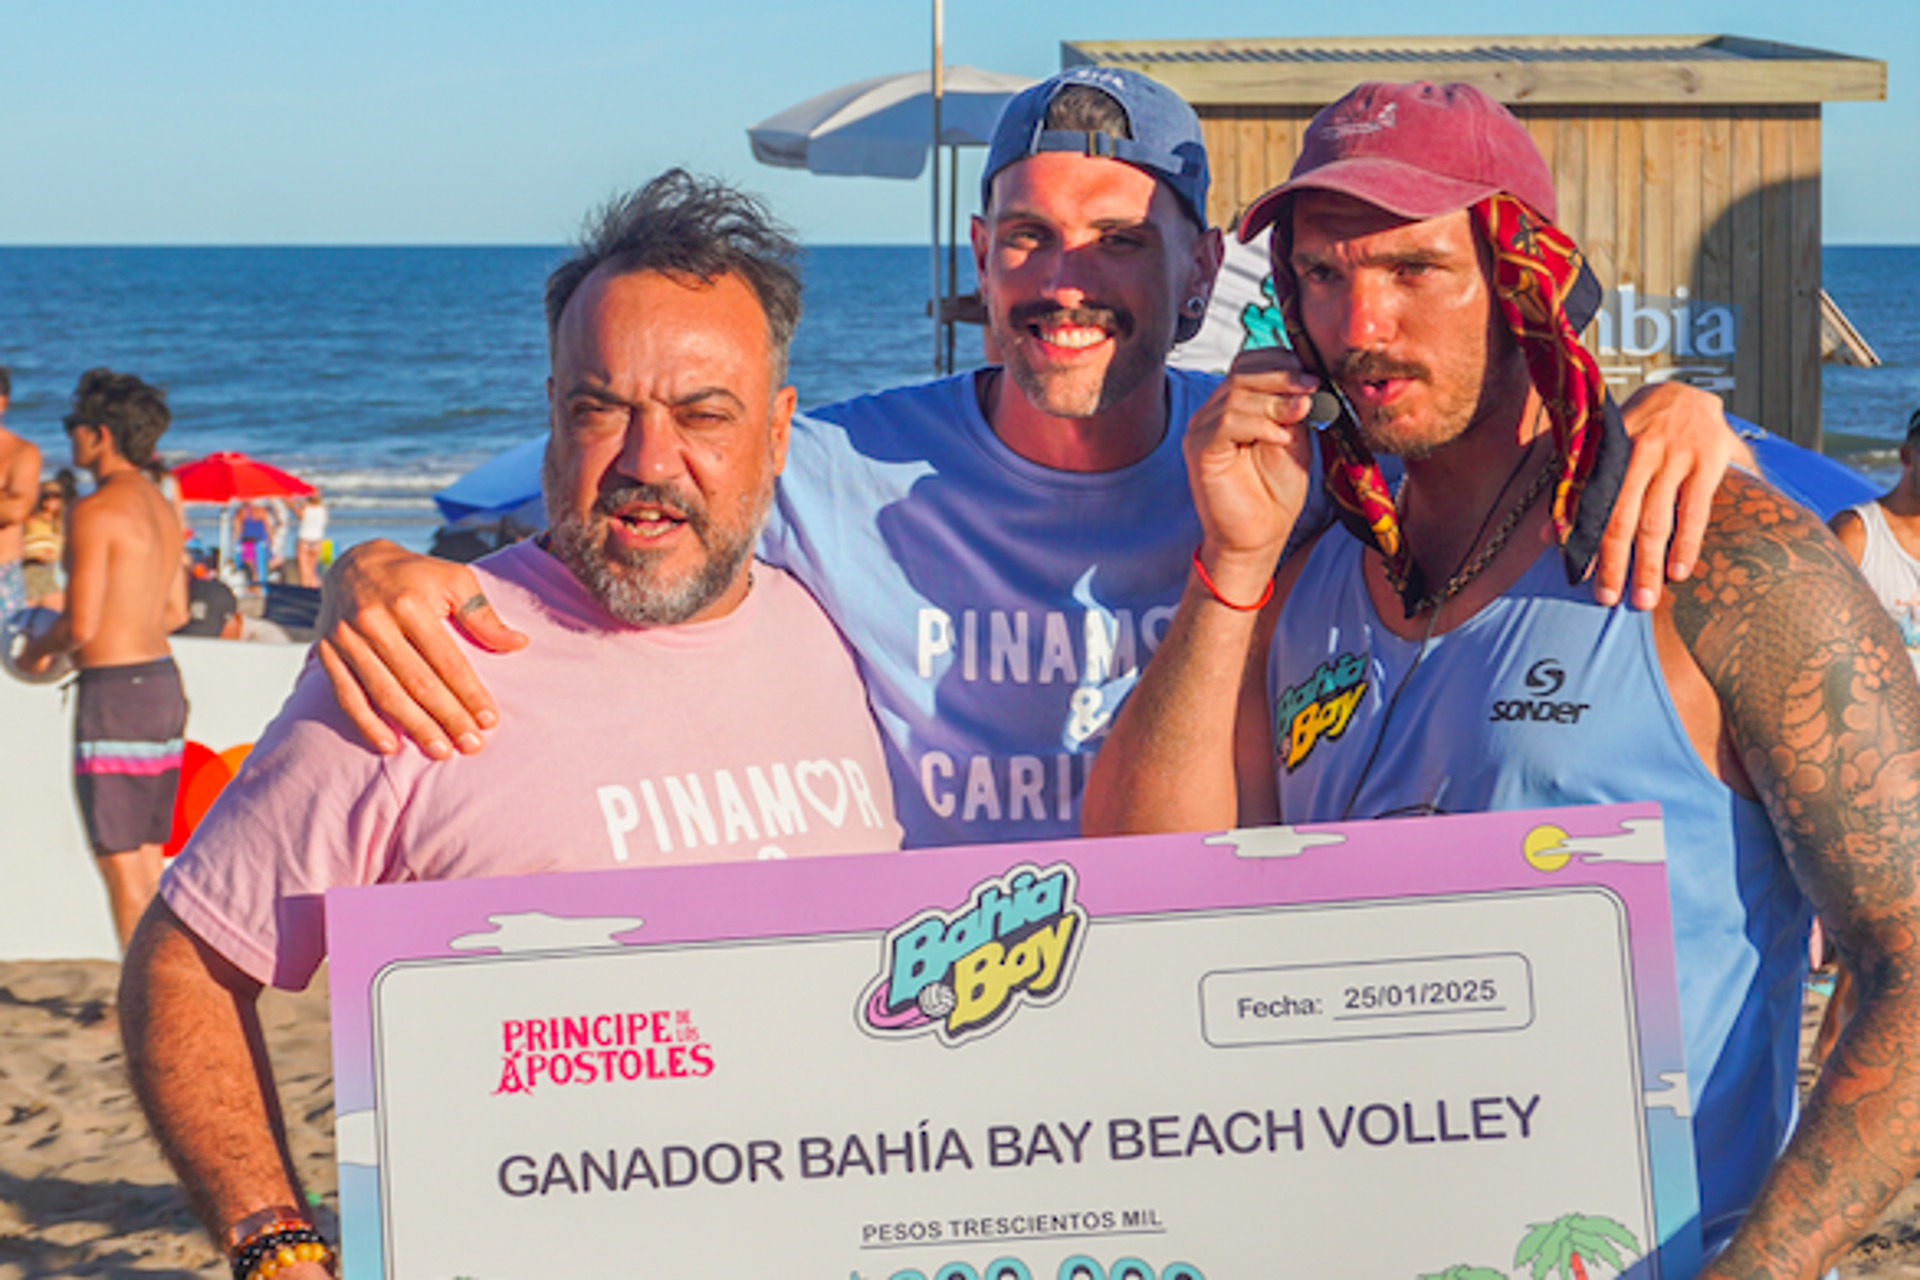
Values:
[(1821, 703)]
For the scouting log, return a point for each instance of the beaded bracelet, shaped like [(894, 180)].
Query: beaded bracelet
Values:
[(260, 1221), (279, 1244), (1206, 580)]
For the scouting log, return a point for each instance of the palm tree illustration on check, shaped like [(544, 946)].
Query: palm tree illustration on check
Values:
[(1461, 1271), (1568, 1243)]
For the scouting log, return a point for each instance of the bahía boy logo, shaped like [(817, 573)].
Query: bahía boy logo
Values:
[(959, 974)]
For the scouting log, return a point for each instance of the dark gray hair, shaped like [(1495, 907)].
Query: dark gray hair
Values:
[(683, 225)]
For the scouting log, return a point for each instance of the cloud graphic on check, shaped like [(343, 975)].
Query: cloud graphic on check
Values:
[(1639, 841), (537, 931), (356, 1137), (1274, 842)]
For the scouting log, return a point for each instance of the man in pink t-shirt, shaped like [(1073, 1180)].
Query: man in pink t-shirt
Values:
[(680, 702)]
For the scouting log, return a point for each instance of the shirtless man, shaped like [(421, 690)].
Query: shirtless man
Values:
[(125, 592), (19, 490)]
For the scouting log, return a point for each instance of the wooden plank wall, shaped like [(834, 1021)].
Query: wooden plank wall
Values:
[(1250, 150), (1721, 202)]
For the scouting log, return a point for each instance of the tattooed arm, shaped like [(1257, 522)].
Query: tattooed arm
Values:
[(1820, 704)]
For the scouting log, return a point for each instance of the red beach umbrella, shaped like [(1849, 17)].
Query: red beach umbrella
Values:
[(231, 478), (226, 477)]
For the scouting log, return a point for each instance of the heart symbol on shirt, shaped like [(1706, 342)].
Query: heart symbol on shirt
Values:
[(806, 771)]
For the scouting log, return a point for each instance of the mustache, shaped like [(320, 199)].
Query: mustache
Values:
[(1374, 366), (1039, 312), (625, 493)]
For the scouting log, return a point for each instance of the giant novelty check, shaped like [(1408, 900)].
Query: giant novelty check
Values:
[(1448, 1046)]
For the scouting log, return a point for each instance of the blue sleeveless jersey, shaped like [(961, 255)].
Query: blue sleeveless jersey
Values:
[(1544, 698)]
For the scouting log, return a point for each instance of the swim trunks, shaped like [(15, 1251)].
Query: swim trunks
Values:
[(13, 588), (129, 729)]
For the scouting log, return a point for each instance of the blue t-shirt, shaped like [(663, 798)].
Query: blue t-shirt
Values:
[(1000, 610), (1545, 698)]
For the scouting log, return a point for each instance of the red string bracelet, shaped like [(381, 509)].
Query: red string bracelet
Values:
[(1206, 580)]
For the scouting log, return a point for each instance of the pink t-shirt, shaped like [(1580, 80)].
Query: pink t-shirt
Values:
[(744, 737)]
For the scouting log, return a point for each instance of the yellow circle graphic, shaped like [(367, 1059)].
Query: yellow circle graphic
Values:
[(1544, 849)]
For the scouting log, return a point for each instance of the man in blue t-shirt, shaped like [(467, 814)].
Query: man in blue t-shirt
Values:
[(1004, 548)]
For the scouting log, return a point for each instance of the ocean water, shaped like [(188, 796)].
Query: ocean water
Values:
[(378, 374), (382, 374), (1864, 412)]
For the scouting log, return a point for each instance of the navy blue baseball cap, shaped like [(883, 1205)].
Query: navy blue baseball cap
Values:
[(1166, 138)]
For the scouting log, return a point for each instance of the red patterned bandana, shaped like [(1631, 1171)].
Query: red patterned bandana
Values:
[(1548, 294)]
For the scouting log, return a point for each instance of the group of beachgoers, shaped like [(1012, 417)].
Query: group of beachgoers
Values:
[(263, 528), (952, 591)]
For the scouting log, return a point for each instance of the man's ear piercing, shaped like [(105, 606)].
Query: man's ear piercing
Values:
[(1195, 306)]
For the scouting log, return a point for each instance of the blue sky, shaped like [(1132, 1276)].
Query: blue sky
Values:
[(487, 122)]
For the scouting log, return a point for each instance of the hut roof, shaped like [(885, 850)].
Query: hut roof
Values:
[(1530, 70)]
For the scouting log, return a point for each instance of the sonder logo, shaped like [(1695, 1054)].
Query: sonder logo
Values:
[(1544, 679)]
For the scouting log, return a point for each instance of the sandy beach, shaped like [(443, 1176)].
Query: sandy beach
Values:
[(83, 1188), (84, 1191)]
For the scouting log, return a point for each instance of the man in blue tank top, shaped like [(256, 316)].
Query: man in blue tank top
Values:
[(1428, 654), (1002, 549)]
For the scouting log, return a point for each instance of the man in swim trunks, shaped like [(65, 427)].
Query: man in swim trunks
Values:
[(19, 492), (125, 593)]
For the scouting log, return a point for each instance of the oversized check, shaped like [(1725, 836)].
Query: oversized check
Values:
[(1436, 1047)]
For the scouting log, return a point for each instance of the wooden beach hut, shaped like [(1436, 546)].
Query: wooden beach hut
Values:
[(1688, 167)]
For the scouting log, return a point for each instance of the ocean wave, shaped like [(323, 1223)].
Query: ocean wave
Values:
[(396, 479), (379, 502), (347, 506)]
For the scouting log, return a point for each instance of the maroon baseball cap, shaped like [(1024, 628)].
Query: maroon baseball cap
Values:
[(1418, 150)]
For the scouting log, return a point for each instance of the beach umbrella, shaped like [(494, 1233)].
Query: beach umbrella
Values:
[(885, 127), (228, 478), (507, 484), (1814, 480)]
